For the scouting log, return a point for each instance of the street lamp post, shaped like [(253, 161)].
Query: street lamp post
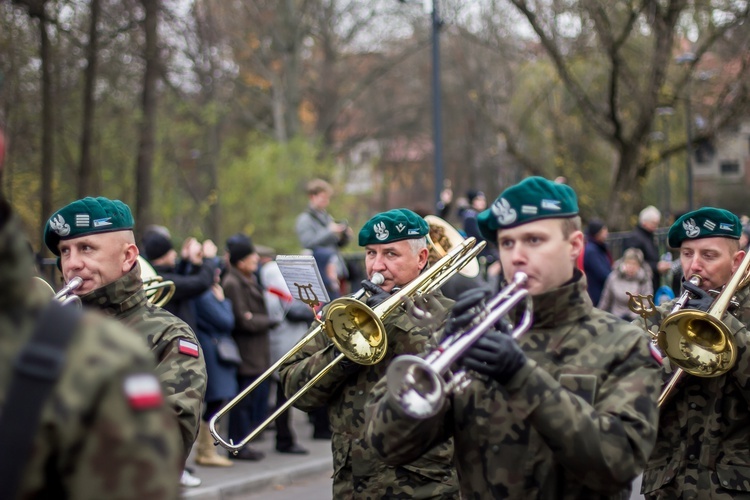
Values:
[(437, 120), (688, 58)]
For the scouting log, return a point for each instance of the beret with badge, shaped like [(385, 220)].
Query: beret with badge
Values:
[(706, 222), (393, 225), (86, 216), (532, 199)]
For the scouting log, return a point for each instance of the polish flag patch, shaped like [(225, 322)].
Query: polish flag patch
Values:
[(189, 348), (143, 391)]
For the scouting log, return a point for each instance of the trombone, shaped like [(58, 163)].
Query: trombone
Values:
[(698, 342), (419, 385), (356, 330), (158, 291)]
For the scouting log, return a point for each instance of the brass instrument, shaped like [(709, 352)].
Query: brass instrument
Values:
[(698, 342), (65, 296), (443, 237), (356, 330), (158, 291), (420, 386)]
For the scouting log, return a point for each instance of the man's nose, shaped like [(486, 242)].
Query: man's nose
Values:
[(72, 262), (518, 255), (378, 264)]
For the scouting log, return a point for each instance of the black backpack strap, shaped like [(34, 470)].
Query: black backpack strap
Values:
[(36, 369)]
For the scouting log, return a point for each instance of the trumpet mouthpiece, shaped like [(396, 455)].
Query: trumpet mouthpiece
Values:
[(377, 279)]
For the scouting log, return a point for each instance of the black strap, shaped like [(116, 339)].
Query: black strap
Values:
[(315, 215), (36, 370)]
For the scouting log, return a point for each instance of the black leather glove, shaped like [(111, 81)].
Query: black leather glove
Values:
[(377, 294), (464, 310), (700, 299), (496, 355)]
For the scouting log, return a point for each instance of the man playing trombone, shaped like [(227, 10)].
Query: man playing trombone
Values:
[(703, 446), (396, 248), (568, 410)]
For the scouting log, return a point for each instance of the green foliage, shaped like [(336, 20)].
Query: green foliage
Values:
[(262, 192)]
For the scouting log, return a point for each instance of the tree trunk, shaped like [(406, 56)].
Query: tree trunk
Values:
[(87, 184), (145, 162), (48, 128), (626, 190)]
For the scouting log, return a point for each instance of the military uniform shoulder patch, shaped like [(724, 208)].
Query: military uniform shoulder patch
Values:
[(143, 391), (189, 348)]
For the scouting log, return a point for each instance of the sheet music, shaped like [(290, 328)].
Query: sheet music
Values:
[(301, 275)]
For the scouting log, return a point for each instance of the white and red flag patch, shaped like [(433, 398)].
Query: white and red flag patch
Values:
[(189, 348), (143, 391)]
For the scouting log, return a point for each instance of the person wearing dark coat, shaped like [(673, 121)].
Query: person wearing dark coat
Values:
[(215, 321), (643, 238), (251, 326), (193, 274), (597, 260)]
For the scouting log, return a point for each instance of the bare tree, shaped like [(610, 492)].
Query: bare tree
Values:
[(86, 174), (146, 145)]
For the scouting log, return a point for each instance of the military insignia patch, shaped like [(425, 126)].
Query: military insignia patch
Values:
[(551, 205), (59, 226), (726, 227), (189, 348), (83, 220), (103, 222), (691, 230), (400, 228), (710, 225), (381, 233), (504, 213), (143, 391)]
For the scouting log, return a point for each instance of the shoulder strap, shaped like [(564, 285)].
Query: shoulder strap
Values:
[(36, 369), (316, 216)]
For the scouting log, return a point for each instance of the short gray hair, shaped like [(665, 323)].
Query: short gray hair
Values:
[(417, 244), (649, 214)]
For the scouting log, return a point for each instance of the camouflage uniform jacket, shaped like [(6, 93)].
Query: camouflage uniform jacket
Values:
[(180, 365), (358, 472), (703, 446), (577, 421), (92, 443)]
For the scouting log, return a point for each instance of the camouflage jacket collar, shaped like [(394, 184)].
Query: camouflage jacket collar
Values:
[(563, 305), (16, 266), (120, 295)]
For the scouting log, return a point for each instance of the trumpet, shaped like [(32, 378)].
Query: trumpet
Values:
[(65, 296), (355, 330), (419, 385)]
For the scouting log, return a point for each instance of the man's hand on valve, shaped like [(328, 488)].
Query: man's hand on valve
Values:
[(495, 355), (700, 299)]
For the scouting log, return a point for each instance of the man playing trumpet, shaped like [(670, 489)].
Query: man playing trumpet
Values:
[(566, 411), (395, 247), (702, 449)]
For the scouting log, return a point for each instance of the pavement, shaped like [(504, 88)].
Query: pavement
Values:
[(222, 483)]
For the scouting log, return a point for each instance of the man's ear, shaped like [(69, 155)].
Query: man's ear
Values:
[(737, 260), (576, 244), (422, 256), (131, 255)]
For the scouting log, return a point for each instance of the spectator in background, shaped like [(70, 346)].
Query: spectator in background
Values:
[(215, 321), (316, 228), (488, 256), (745, 237), (597, 260), (293, 317), (251, 326), (629, 275), (643, 238), (193, 274)]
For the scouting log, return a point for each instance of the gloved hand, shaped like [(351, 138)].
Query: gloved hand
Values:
[(700, 299), (464, 310), (377, 294), (496, 355)]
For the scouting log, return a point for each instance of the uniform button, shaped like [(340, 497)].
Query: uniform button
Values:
[(361, 392), (495, 448), (446, 478), (693, 406), (356, 441), (359, 489), (691, 457), (667, 479), (725, 482)]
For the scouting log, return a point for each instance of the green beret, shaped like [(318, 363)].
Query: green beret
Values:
[(532, 199), (86, 216), (393, 225), (706, 222)]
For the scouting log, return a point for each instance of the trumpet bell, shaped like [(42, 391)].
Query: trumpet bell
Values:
[(416, 385), (356, 331), (698, 343), (445, 237), (158, 291)]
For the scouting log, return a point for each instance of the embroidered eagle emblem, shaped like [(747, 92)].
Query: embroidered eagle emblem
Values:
[(381, 233), (58, 225), (691, 228), (504, 213)]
